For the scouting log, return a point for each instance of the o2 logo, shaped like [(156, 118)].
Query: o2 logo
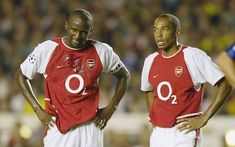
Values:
[(80, 87), (169, 95)]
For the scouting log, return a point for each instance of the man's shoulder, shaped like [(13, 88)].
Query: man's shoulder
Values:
[(96, 42), (100, 46), (193, 50), (149, 59), (46, 44), (151, 56), (92, 41)]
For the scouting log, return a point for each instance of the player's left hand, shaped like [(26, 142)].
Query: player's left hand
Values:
[(191, 123), (102, 117)]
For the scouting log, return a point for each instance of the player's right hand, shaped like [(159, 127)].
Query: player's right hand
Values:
[(102, 117), (45, 118)]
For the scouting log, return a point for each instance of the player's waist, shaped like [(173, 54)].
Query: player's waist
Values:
[(68, 128), (168, 122)]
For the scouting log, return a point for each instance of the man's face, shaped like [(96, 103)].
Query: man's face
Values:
[(78, 32), (164, 33)]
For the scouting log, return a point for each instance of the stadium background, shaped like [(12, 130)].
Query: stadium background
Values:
[(127, 26)]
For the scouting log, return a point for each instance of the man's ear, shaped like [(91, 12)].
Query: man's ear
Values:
[(178, 31), (66, 26)]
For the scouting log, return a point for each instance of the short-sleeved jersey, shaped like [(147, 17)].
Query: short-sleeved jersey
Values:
[(231, 52), (71, 78), (177, 83)]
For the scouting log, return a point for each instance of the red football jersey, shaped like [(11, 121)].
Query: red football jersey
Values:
[(71, 84), (71, 78), (177, 83)]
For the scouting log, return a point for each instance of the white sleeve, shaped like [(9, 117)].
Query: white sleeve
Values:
[(37, 61), (201, 68), (109, 59), (145, 85)]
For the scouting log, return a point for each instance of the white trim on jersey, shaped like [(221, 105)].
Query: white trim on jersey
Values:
[(62, 40), (47, 99), (189, 115), (145, 85), (173, 54)]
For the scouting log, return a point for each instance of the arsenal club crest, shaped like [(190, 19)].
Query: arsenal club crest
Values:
[(90, 63), (178, 71)]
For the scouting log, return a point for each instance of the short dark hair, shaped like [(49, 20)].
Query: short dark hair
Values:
[(172, 18), (83, 14)]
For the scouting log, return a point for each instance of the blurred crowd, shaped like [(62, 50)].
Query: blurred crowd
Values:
[(126, 25)]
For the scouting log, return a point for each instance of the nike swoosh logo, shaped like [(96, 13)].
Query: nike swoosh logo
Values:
[(58, 66), (155, 76)]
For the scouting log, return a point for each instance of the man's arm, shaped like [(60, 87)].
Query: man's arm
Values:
[(105, 114), (228, 67), (189, 124), (149, 99), (26, 89)]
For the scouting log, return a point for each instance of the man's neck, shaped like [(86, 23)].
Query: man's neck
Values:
[(66, 42), (171, 51)]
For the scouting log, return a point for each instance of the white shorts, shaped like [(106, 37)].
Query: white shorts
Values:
[(171, 137), (86, 135)]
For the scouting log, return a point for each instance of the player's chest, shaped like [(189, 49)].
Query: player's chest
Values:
[(64, 63), (171, 70)]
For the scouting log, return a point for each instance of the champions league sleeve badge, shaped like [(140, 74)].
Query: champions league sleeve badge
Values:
[(32, 58), (117, 68), (90, 63)]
